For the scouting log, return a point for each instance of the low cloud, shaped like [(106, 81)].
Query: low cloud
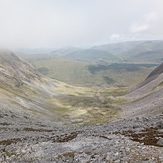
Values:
[(40, 23), (149, 24), (138, 28), (114, 37)]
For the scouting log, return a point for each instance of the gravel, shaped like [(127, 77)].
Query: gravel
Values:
[(24, 138)]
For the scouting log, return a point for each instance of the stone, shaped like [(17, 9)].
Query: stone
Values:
[(159, 125), (160, 142)]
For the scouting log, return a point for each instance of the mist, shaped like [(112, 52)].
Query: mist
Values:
[(82, 23)]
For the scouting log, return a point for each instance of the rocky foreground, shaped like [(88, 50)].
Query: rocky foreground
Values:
[(28, 139)]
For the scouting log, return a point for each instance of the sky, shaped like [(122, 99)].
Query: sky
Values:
[(81, 23)]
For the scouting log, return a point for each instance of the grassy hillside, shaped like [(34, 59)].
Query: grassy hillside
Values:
[(118, 48), (149, 56), (149, 51), (93, 55), (65, 51), (136, 51), (88, 74)]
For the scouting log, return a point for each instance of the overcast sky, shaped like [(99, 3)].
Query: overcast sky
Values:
[(82, 23)]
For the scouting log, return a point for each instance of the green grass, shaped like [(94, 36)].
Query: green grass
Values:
[(90, 106), (80, 74)]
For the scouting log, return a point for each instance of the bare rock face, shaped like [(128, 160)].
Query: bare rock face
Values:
[(147, 97), (156, 72)]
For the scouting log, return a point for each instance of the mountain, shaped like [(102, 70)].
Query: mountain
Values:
[(21, 86), (64, 51), (133, 51), (118, 48), (146, 98), (136, 51), (148, 56), (14, 71), (146, 52), (93, 55)]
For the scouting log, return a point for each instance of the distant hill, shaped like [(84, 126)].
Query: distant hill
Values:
[(118, 48), (93, 55), (133, 51), (65, 51), (149, 56), (146, 52), (136, 51)]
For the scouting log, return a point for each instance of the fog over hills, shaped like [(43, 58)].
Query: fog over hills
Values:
[(136, 51), (118, 48), (133, 51)]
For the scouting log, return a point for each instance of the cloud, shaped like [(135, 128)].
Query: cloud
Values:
[(149, 24), (114, 37), (138, 28), (56, 23)]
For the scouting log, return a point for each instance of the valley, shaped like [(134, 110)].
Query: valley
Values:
[(70, 109), (81, 81)]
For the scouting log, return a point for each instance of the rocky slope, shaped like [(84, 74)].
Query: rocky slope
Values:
[(22, 87), (147, 97), (129, 140), (28, 136)]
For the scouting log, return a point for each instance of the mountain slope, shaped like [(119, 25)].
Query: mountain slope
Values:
[(146, 52), (21, 86), (93, 55), (147, 97), (14, 71), (118, 48), (64, 51), (136, 51)]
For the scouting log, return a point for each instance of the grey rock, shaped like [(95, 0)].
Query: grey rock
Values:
[(160, 142), (160, 124)]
